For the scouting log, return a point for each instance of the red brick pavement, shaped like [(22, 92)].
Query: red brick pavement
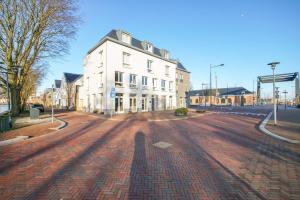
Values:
[(212, 157)]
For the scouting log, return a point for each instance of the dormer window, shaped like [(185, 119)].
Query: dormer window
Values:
[(126, 38), (165, 53), (149, 47)]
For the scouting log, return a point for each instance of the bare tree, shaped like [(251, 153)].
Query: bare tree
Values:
[(70, 94), (30, 32)]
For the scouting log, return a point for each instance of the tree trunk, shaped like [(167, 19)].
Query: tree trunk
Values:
[(15, 101)]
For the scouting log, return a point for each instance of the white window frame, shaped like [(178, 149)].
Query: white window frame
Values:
[(170, 86), (149, 65), (101, 58), (149, 47), (132, 80), (167, 70), (119, 81), (126, 59), (125, 38), (163, 85), (145, 82), (101, 79)]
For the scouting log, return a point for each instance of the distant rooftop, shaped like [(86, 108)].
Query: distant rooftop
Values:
[(221, 91), (69, 77)]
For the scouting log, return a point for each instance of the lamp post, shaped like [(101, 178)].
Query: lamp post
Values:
[(284, 92), (204, 94), (210, 67), (273, 66)]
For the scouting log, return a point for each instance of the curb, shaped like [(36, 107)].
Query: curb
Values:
[(13, 141), (267, 132), (62, 125)]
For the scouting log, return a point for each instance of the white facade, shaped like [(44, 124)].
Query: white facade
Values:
[(110, 65)]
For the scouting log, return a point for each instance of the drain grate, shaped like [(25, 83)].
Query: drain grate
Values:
[(162, 145)]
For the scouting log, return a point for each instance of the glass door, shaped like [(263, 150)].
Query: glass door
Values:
[(144, 103), (119, 103), (132, 103)]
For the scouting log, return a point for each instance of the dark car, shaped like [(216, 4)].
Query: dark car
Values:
[(298, 106), (38, 106)]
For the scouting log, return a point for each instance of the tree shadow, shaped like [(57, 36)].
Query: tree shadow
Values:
[(220, 173), (60, 141), (139, 170), (64, 172)]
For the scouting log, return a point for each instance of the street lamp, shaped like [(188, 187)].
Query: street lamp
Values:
[(204, 94), (210, 67), (273, 66), (284, 92)]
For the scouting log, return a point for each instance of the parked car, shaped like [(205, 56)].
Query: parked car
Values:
[(38, 106), (298, 106)]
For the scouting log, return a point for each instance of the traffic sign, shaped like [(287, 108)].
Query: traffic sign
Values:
[(113, 93)]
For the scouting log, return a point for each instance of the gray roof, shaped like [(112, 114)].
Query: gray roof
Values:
[(70, 78), (113, 34), (181, 67), (222, 91), (57, 83)]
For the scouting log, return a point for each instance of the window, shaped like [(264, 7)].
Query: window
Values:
[(171, 86), (101, 79), (144, 82), (149, 65), (132, 81), (118, 79), (181, 76), (126, 38), (88, 82), (154, 83), (101, 58), (163, 85), (167, 68), (126, 59), (149, 47)]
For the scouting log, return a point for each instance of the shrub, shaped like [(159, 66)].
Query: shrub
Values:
[(181, 111)]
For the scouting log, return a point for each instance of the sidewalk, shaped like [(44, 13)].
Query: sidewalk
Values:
[(288, 124), (31, 129)]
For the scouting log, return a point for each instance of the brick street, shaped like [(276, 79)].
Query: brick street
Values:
[(215, 156)]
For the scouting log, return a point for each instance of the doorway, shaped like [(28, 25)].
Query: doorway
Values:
[(119, 103), (132, 103), (153, 103), (144, 102)]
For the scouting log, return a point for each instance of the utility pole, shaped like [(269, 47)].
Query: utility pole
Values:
[(216, 87), (210, 88), (284, 92)]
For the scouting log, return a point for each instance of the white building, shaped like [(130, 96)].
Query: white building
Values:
[(69, 91), (142, 76)]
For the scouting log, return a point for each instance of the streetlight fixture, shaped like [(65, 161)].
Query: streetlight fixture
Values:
[(210, 67), (273, 66)]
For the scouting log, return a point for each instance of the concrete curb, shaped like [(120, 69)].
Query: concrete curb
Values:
[(267, 132), (14, 140), (62, 125)]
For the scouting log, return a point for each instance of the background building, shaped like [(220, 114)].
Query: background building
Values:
[(68, 91), (182, 85), (235, 96)]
